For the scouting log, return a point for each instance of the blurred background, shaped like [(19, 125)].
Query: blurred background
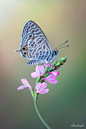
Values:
[(65, 103)]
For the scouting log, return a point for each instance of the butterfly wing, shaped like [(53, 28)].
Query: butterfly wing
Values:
[(32, 27), (37, 47), (33, 62), (33, 38)]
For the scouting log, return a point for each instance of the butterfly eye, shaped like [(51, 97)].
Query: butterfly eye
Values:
[(25, 53), (54, 52), (24, 48)]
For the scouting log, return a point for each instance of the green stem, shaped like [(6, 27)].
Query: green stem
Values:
[(37, 110), (36, 107)]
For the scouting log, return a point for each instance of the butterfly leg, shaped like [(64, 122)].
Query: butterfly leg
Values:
[(56, 59), (33, 62)]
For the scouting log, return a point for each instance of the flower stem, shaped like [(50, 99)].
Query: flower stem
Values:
[(36, 106), (37, 110)]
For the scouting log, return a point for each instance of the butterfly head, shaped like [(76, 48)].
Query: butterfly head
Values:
[(55, 52)]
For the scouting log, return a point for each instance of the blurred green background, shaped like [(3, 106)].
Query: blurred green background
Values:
[(65, 103)]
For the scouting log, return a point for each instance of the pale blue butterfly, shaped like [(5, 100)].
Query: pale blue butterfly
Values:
[(35, 46)]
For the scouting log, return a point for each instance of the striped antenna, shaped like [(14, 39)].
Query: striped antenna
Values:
[(62, 44)]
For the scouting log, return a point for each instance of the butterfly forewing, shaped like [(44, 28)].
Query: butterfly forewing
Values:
[(32, 27)]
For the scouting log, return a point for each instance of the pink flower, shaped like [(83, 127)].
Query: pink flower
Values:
[(51, 79), (26, 84), (47, 64), (39, 71), (40, 87), (54, 73)]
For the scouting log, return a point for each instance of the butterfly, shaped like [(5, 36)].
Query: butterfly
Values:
[(35, 46)]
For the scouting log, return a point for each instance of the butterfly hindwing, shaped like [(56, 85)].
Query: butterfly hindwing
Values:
[(33, 62)]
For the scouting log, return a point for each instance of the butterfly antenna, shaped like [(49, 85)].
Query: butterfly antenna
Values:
[(17, 51), (62, 44)]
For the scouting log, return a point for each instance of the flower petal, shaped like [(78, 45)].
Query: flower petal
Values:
[(53, 81), (47, 64), (26, 83), (38, 85), (21, 87), (43, 91), (41, 86), (54, 73), (50, 77), (34, 74), (41, 70)]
